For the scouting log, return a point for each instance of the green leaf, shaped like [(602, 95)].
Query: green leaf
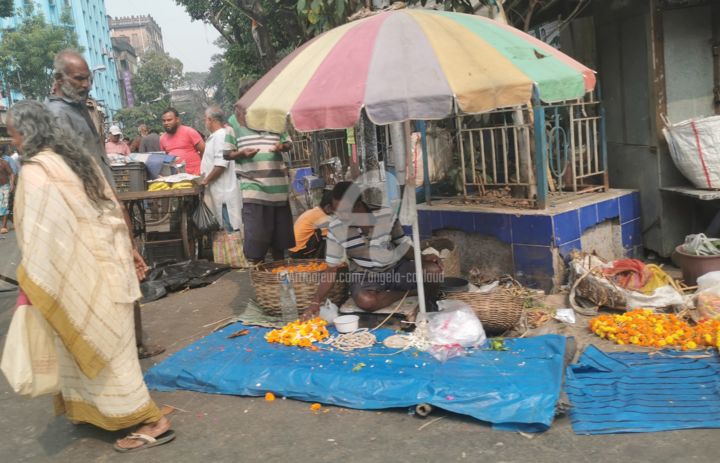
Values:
[(340, 9), (313, 17), (301, 6), (358, 367)]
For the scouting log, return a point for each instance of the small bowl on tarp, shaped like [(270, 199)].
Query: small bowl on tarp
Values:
[(454, 285), (346, 323)]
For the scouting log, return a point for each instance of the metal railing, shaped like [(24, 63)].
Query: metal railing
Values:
[(495, 150), (576, 153), (327, 144), (498, 151), (301, 148)]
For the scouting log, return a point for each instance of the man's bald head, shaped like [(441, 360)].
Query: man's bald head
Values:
[(73, 78)]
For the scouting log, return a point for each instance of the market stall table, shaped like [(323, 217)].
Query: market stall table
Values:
[(188, 198)]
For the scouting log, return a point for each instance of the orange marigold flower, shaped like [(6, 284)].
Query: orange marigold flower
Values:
[(644, 328), (269, 396), (315, 407)]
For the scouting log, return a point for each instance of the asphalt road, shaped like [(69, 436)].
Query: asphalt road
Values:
[(216, 428)]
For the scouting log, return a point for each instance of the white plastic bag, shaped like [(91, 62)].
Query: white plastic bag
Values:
[(329, 311), (707, 281), (453, 329), (707, 296), (29, 359)]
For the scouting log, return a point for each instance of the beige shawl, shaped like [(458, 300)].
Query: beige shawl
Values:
[(76, 260)]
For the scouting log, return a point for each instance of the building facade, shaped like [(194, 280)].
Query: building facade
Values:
[(126, 62), (143, 33), (93, 32)]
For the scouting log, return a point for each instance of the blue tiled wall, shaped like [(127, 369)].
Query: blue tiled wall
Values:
[(533, 236)]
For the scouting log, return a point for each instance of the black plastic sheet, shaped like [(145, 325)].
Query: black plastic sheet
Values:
[(171, 276)]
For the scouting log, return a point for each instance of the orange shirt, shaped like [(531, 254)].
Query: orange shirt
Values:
[(306, 224)]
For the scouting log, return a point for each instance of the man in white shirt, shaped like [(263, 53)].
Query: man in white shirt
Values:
[(222, 195)]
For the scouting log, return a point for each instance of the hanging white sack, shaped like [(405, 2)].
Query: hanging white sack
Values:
[(695, 148)]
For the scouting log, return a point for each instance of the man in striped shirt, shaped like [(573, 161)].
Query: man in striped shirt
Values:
[(378, 253), (264, 186)]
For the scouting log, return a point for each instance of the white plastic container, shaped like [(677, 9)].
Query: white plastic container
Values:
[(346, 323)]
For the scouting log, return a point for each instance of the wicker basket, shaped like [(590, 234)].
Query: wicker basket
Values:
[(498, 311), (267, 287)]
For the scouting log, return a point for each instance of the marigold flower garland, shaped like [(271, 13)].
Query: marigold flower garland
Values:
[(643, 327), (297, 333)]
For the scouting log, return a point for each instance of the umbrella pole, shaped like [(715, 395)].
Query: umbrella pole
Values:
[(410, 190)]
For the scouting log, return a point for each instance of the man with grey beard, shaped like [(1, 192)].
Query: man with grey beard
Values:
[(68, 102)]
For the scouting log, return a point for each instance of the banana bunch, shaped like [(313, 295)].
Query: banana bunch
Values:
[(158, 186), (181, 185)]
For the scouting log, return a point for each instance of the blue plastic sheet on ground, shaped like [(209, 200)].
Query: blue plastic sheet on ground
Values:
[(638, 392), (515, 389)]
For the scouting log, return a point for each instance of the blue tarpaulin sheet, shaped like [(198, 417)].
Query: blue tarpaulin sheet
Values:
[(638, 392), (515, 389)]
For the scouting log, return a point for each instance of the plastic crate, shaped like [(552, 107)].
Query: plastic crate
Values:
[(130, 177)]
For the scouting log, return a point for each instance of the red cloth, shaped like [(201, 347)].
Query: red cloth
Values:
[(628, 273), (22, 299), (182, 144)]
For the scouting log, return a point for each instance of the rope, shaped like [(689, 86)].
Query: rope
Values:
[(418, 339), (362, 338)]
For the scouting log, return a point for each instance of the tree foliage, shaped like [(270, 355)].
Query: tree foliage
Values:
[(260, 31), (256, 34), (193, 99), (148, 114), (7, 8), (27, 53), (157, 75)]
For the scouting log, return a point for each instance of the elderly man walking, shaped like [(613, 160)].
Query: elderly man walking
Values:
[(68, 103), (222, 193)]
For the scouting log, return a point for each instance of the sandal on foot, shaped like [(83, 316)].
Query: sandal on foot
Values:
[(145, 352), (148, 441), (3, 230)]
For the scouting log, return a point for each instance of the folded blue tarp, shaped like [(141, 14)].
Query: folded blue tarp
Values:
[(638, 392), (515, 389)]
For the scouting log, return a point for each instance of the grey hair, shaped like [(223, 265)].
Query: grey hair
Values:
[(61, 61), (215, 112), (39, 130)]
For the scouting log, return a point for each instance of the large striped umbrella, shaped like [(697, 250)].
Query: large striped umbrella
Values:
[(410, 64), (406, 65)]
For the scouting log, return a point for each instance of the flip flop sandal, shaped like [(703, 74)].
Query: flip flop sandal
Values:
[(148, 441), (147, 352)]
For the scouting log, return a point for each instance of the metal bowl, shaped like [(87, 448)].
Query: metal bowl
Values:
[(454, 285)]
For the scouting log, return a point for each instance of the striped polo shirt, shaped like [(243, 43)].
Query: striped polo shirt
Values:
[(378, 248), (263, 177)]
